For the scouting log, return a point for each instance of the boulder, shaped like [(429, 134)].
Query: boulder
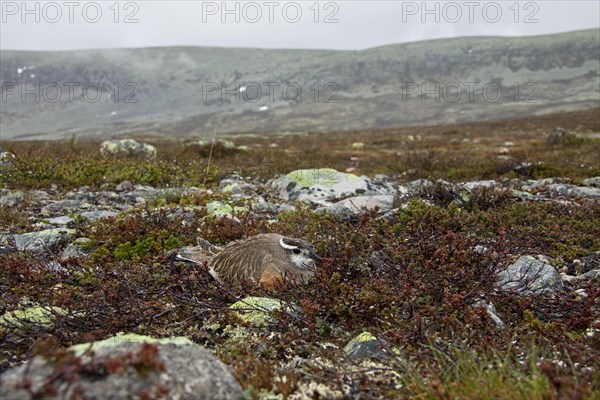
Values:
[(529, 275), (322, 186), (126, 367), (43, 240), (127, 147)]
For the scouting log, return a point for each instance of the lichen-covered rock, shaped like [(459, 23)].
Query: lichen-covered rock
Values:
[(219, 209), (161, 368), (529, 275), (256, 310), (321, 186), (127, 147), (43, 240), (6, 158), (30, 317), (365, 346)]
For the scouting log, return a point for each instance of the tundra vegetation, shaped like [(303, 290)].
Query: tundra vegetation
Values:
[(412, 281)]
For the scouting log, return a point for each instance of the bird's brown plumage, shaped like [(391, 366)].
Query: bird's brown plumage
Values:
[(262, 259)]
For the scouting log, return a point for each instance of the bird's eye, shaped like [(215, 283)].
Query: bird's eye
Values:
[(296, 251)]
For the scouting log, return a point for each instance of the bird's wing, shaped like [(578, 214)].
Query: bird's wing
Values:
[(273, 269)]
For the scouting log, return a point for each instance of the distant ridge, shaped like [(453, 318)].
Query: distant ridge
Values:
[(183, 91)]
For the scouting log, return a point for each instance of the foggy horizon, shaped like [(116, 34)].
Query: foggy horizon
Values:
[(283, 25)]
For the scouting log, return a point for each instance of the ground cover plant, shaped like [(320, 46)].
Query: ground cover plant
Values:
[(413, 279)]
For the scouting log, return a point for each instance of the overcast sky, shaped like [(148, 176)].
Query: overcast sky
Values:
[(61, 25)]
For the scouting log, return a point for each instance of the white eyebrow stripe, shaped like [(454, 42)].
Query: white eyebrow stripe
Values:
[(286, 246)]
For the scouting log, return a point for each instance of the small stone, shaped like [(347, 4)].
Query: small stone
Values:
[(124, 186), (98, 214), (595, 182), (78, 249), (62, 220), (365, 346)]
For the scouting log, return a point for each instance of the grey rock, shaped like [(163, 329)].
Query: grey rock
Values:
[(62, 220), (479, 184), (492, 313), (98, 214), (43, 240), (40, 195), (584, 264), (127, 147), (190, 372), (124, 186), (534, 184), (523, 195), (11, 199), (529, 275), (595, 182), (263, 207), (572, 190), (87, 196), (367, 346), (77, 249), (419, 184), (226, 144), (63, 206), (352, 206), (322, 186), (236, 186)]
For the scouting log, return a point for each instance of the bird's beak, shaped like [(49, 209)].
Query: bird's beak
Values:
[(317, 258)]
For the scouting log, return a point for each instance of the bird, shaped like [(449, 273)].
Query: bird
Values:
[(260, 260)]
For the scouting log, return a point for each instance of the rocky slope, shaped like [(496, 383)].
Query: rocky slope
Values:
[(170, 91)]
